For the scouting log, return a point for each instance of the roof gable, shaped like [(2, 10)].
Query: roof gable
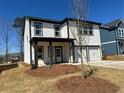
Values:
[(121, 24), (115, 23)]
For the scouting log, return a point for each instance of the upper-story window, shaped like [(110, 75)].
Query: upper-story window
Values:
[(57, 30), (87, 30), (121, 32), (38, 29)]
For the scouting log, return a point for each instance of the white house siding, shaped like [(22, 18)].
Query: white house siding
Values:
[(48, 30), (33, 58), (46, 59), (89, 40), (95, 39), (73, 30), (26, 43), (64, 31)]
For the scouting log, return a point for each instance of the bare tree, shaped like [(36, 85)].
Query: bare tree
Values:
[(79, 8), (5, 36), (18, 25)]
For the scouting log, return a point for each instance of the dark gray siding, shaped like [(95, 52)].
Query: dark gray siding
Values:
[(109, 49), (108, 36)]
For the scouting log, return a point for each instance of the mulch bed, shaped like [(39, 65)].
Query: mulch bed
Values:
[(77, 84), (55, 70)]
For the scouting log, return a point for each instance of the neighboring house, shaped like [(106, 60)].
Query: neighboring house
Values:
[(112, 37), (47, 41)]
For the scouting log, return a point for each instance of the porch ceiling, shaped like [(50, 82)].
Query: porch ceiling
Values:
[(50, 39)]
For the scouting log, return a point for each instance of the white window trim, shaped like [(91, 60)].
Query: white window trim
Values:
[(38, 29), (88, 30), (120, 32), (59, 31)]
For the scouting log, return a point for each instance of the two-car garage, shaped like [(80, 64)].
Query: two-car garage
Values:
[(88, 53)]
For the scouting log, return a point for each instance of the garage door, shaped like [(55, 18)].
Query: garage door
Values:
[(94, 53), (77, 54)]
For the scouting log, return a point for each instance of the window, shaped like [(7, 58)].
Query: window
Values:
[(57, 30), (121, 32), (88, 30), (58, 52), (38, 29), (85, 32), (40, 53), (50, 51)]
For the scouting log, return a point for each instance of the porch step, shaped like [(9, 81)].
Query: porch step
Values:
[(41, 63)]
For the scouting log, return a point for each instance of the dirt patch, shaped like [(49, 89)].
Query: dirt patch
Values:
[(55, 70), (24, 64), (77, 84), (114, 57)]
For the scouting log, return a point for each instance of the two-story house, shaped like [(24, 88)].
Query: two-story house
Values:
[(112, 37), (52, 41)]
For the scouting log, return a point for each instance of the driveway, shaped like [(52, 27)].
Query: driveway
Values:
[(105, 63), (108, 64)]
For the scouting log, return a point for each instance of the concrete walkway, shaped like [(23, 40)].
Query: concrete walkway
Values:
[(106, 63), (109, 64)]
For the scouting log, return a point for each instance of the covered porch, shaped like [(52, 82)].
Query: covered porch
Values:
[(51, 51), (120, 46)]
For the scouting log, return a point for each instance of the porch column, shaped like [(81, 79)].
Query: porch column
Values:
[(73, 52), (35, 65), (69, 52), (51, 50)]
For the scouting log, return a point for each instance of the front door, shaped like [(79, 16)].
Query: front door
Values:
[(58, 54)]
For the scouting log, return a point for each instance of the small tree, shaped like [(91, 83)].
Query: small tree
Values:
[(5, 36), (18, 25), (79, 8)]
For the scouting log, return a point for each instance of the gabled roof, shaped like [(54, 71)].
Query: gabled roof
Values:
[(55, 21), (114, 23), (58, 21), (43, 19)]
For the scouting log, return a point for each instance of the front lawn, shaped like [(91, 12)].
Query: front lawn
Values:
[(18, 81)]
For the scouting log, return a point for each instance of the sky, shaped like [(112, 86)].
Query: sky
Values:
[(102, 11)]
